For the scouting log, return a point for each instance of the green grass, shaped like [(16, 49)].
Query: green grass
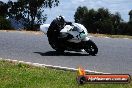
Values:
[(17, 75), (111, 36)]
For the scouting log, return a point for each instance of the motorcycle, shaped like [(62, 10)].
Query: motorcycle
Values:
[(77, 39)]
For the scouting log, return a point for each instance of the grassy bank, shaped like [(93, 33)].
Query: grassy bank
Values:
[(17, 75)]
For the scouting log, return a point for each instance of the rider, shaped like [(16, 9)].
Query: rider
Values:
[(55, 28)]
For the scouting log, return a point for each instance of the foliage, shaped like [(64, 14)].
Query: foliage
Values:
[(30, 10), (80, 13), (3, 9), (4, 24), (102, 21)]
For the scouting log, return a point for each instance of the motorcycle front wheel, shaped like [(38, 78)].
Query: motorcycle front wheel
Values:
[(91, 48)]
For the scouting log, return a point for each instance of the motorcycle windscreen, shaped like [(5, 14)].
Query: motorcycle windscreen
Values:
[(80, 28)]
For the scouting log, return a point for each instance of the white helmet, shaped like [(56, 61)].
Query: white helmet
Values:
[(61, 21), (60, 18)]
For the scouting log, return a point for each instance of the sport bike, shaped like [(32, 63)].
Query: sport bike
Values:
[(77, 39)]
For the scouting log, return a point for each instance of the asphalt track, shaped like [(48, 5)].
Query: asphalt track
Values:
[(114, 56)]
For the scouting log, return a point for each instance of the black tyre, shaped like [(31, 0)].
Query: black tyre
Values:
[(57, 48), (60, 50), (91, 48)]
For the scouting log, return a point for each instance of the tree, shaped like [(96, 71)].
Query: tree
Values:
[(130, 14), (129, 30), (4, 23), (80, 14), (103, 14), (116, 20), (98, 21), (30, 10), (106, 26), (90, 21), (3, 9)]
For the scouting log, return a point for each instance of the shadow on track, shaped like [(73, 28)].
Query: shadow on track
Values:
[(54, 53)]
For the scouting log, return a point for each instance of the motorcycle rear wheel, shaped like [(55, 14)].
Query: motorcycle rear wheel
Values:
[(57, 48)]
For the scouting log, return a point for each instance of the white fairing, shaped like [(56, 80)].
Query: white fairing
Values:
[(81, 27), (44, 28), (74, 30)]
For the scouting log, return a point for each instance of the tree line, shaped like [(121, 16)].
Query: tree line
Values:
[(31, 11), (102, 21)]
